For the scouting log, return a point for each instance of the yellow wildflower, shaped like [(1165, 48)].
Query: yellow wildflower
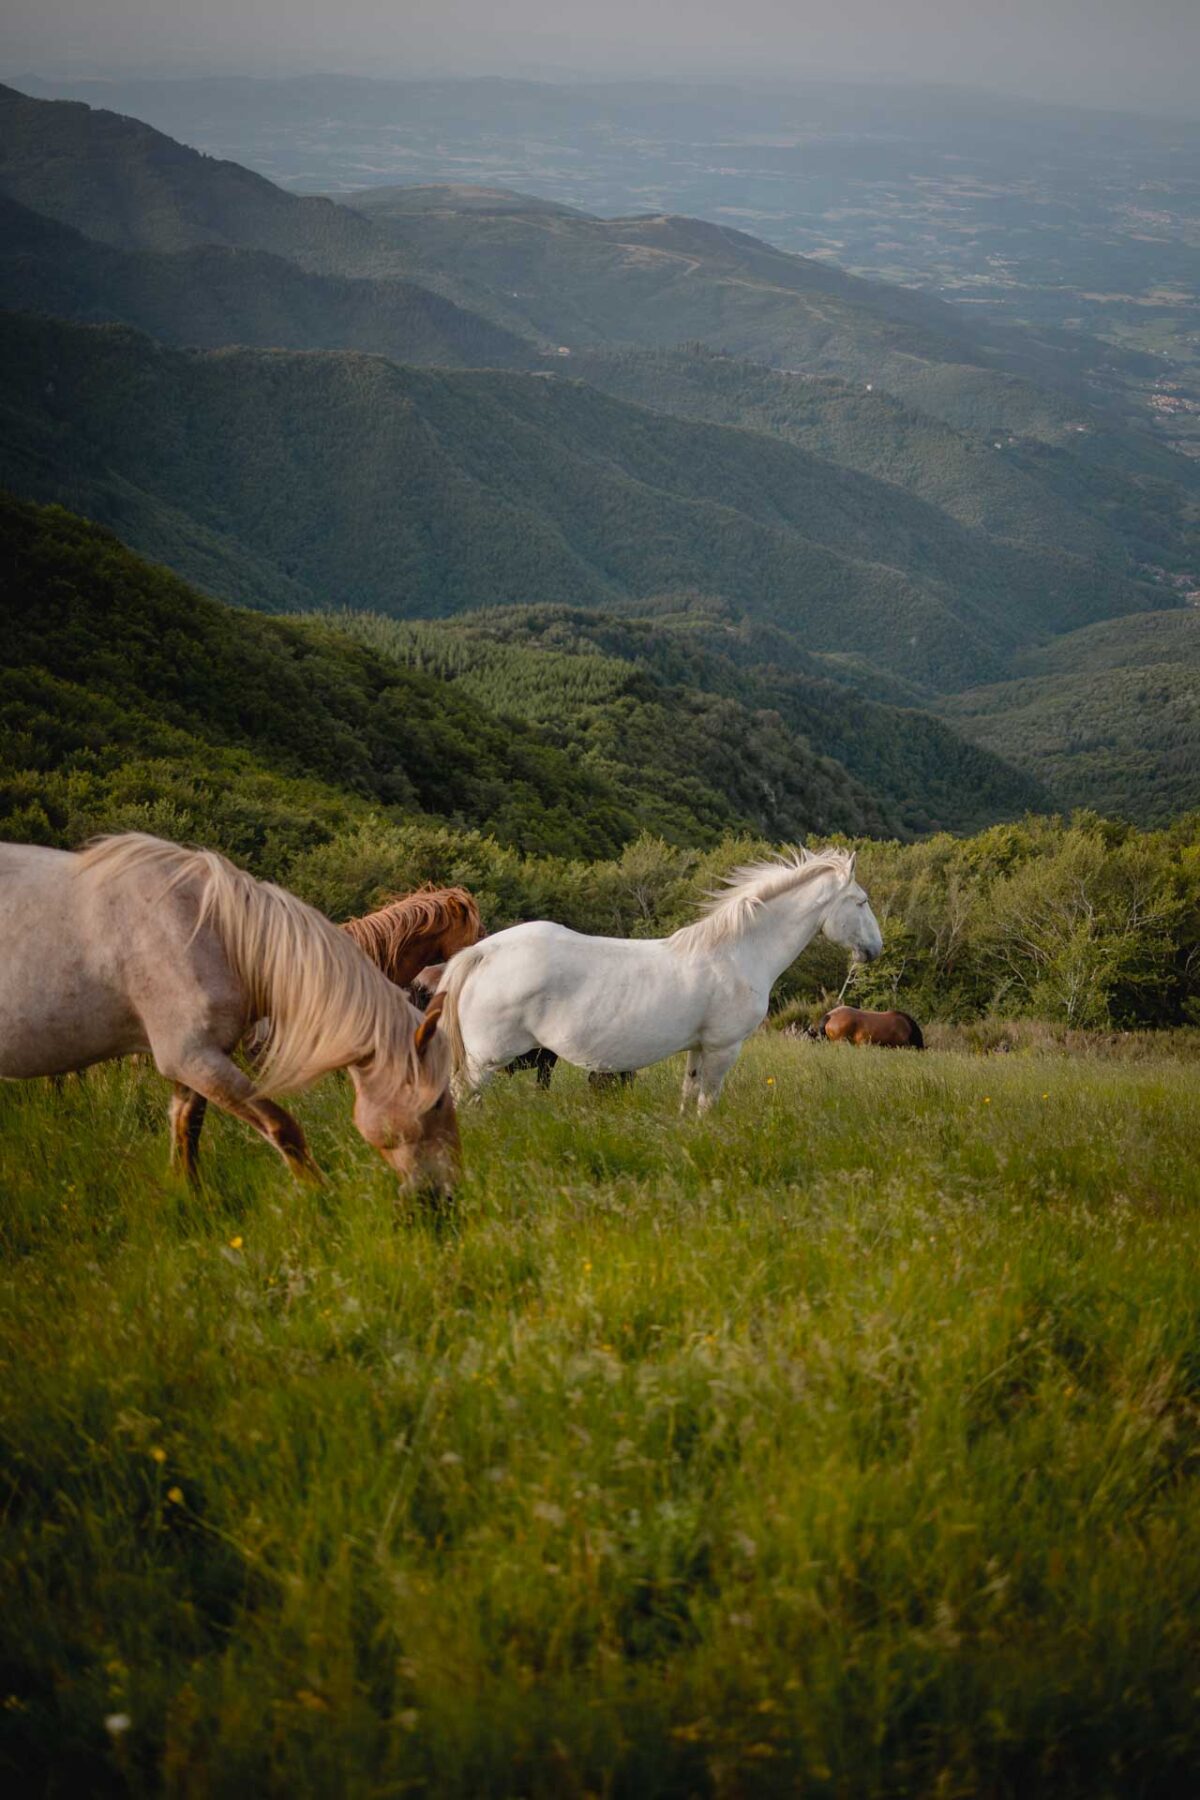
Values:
[(175, 1496)]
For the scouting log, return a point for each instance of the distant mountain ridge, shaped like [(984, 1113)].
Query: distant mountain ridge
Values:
[(322, 479), (125, 184), (210, 295)]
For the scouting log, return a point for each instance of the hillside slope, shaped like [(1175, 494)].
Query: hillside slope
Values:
[(658, 280), (1108, 717), (1096, 491), (120, 181), (548, 273), (127, 697), (294, 480), (666, 694), (211, 295)]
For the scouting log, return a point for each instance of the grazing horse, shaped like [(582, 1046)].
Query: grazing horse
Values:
[(620, 1003), (409, 935), (136, 944), (890, 1030)]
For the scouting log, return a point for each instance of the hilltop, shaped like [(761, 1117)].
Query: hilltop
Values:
[(659, 280), (123, 183)]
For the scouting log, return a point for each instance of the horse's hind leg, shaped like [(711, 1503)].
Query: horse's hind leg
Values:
[(213, 1076), (187, 1119), (691, 1080)]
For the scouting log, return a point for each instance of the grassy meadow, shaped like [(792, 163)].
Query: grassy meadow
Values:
[(844, 1443)]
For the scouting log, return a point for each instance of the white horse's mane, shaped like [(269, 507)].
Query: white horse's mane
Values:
[(728, 910), (327, 1003)]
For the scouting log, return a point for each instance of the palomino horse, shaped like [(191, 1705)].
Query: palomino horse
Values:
[(850, 1025), (620, 1003), (409, 935), (139, 945)]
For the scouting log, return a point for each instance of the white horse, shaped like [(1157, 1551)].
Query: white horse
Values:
[(138, 945), (620, 1003)]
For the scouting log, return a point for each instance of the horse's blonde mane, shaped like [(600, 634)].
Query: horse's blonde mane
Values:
[(728, 910), (385, 934), (326, 1003)]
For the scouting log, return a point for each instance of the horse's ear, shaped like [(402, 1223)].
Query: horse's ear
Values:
[(428, 979), (427, 1029), (853, 864)]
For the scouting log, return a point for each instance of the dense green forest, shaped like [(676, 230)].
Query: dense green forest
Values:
[(333, 479), (1094, 490), (678, 693)]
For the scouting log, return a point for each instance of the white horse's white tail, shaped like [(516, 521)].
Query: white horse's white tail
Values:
[(327, 1003), (458, 972)]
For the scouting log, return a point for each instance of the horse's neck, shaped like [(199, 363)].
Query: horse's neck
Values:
[(782, 928)]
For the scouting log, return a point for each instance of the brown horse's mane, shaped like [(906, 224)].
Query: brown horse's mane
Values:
[(404, 935)]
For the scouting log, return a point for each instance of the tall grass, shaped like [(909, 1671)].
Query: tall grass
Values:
[(844, 1443)]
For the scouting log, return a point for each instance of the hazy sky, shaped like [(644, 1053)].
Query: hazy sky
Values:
[(1112, 52)]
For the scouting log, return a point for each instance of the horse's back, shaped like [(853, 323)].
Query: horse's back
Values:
[(90, 958), (28, 865)]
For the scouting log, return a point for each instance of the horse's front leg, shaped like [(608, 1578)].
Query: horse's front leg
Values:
[(714, 1067), (691, 1080), (211, 1075)]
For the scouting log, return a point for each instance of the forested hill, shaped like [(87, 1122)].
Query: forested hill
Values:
[(1109, 717), (210, 294), (298, 480), (682, 694), (124, 183), (1094, 490), (129, 699), (659, 280)]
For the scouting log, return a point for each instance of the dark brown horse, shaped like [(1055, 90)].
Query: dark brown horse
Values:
[(889, 1030)]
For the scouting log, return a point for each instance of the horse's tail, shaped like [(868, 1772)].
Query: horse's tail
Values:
[(819, 1027), (459, 970), (915, 1039)]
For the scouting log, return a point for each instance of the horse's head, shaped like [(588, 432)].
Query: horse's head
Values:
[(851, 923), (412, 1123)]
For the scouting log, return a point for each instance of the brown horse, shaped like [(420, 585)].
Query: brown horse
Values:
[(419, 930), (851, 1025)]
